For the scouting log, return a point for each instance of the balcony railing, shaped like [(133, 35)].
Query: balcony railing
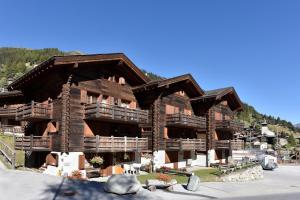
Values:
[(185, 144), (180, 119), (8, 111), (10, 129), (228, 144), (115, 144), (229, 124), (33, 143), (34, 111), (113, 112)]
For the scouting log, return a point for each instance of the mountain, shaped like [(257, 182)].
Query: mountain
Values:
[(14, 62), (297, 125)]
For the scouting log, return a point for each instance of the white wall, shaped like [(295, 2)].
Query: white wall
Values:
[(67, 163), (200, 160)]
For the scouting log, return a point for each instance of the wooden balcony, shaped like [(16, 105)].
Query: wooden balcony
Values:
[(183, 120), (33, 143), (34, 111), (228, 144), (10, 129), (229, 124), (8, 112), (115, 144), (115, 113), (185, 144)]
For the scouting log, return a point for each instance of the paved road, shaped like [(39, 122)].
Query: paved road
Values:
[(281, 184), (2, 166), (15, 185)]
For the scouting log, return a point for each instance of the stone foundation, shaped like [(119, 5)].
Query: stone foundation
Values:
[(245, 175)]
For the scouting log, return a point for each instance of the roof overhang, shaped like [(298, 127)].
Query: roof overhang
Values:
[(76, 60), (184, 83), (229, 94), (14, 96)]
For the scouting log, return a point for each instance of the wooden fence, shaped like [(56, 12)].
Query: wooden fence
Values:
[(33, 143), (114, 112), (115, 144), (186, 120), (34, 110), (185, 144)]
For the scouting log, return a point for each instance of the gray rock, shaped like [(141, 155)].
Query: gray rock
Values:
[(193, 184), (122, 184)]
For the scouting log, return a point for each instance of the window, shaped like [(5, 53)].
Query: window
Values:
[(125, 103), (171, 109), (92, 98), (105, 99), (218, 116), (122, 81)]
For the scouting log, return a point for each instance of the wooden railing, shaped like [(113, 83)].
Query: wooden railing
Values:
[(229, 124), (33, 143), (115, 144), (12, 129), (34, 110), (8, 111), (229, 144), (185, 120), (8, 153), (185, 144), (101, 110)]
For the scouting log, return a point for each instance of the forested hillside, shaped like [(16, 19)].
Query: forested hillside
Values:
[(14, 62)]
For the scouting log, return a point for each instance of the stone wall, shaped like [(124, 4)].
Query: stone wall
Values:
[(244, 175)]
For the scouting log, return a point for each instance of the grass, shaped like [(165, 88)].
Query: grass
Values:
[(20, 155), (206, 175)]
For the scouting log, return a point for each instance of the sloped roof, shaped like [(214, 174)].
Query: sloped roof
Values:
[(184, 82), (60, 61), (13, 93), (221, 94), (11, 97)]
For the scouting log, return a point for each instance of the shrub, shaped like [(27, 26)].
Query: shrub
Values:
[(76, 174), (97, 160), (164, 177)]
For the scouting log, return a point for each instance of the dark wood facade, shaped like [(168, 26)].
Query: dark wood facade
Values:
[(104, 103)]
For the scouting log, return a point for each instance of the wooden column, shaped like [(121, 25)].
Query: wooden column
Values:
[(65, 125), (156, 124)]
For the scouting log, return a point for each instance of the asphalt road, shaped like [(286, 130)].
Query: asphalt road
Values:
[(281, 184), (2, 165)]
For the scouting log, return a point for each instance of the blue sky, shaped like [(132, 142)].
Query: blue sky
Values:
[(253, 45)]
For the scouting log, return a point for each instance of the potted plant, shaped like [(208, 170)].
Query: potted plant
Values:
[(97, 161)]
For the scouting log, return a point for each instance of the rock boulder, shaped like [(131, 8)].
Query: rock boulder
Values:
[(193, 183), (122, 184)]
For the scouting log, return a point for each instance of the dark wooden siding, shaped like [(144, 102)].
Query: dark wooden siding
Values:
[(76, 121)]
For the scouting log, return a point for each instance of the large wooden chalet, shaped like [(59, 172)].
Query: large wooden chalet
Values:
[(85, 105)]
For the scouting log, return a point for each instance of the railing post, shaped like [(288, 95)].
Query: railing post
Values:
[(98, 109), (125, 143), (31, 142), (32, 108), (97, 143), (112, 144), (180, 144), (50, 142), (13, 160), (136, 143), (51, 110)]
